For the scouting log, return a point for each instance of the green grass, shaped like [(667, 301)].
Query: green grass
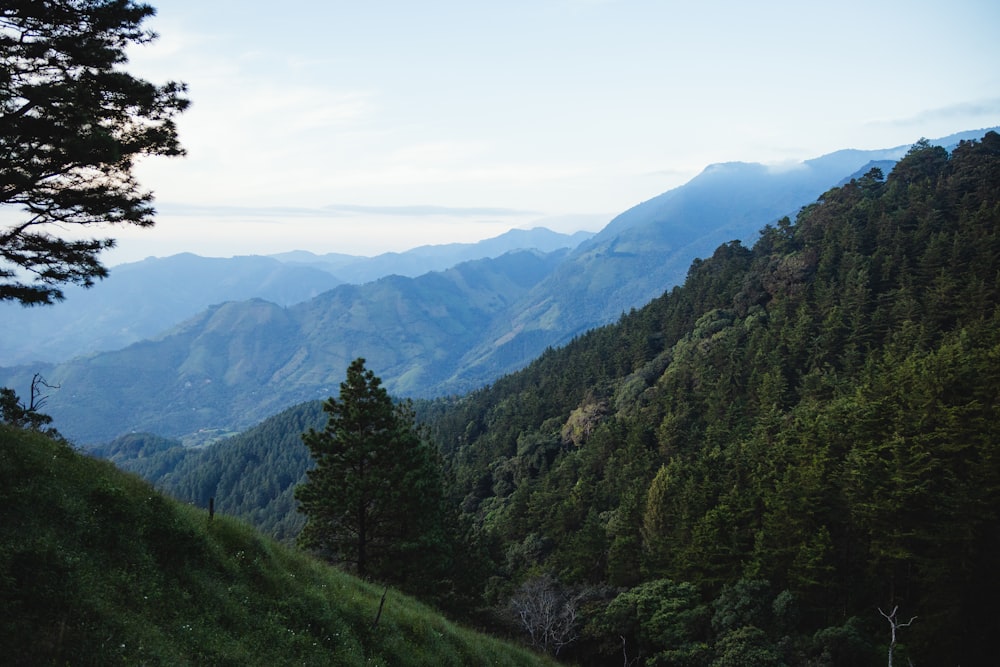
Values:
[(98, 568)]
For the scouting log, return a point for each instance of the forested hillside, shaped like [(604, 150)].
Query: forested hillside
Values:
[(805, 431), (745, 471), (251, 475)]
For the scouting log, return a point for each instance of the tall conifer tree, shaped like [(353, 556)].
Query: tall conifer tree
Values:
[(374, 500)]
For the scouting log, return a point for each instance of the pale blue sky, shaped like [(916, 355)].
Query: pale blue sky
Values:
[(494, 115)]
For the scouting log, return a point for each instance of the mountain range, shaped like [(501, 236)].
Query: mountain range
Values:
[(234, 363), (423, 259), (142, 299)]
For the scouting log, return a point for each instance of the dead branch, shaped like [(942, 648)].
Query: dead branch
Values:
[(894, 624)]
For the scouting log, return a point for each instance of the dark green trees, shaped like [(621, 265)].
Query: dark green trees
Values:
[(804, 431), (374, 500), (72, 123)]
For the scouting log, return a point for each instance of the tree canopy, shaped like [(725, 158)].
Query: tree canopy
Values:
[(72, 123)]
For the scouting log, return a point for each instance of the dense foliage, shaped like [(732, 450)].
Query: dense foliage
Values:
[(96, 568), (801, 433), (72, 123), (251, 475)]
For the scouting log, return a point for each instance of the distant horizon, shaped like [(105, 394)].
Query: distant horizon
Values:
[(408, 226), (323, 254), (138, 249)]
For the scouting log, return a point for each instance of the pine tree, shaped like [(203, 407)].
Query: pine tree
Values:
[(373, 502), (72, 124)]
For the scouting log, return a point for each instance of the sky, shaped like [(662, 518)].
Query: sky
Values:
[(368, 127)]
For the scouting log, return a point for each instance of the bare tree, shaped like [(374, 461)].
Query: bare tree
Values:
[(38, 400), (627, 662), (894, 624), (548, 612), (14, 412)]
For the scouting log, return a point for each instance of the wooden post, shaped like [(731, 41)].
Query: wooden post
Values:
[(380, 605), (211, 508)]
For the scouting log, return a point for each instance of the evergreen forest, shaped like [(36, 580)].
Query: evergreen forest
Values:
[(749, 468)]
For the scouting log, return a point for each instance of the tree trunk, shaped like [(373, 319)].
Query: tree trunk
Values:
[(362, 541)]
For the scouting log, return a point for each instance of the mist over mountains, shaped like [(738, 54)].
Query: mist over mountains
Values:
[(446, 331), (423, 259), (142, 299)]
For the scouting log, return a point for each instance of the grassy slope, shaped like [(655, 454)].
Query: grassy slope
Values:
[(98, 568)]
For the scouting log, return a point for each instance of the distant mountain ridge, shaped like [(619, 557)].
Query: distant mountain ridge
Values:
[(441, 333), (143, 299), (423, 259)]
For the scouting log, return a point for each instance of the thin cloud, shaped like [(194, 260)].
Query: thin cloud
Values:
[(975, 108), (426, 210), (337, 211), (221, 211)]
